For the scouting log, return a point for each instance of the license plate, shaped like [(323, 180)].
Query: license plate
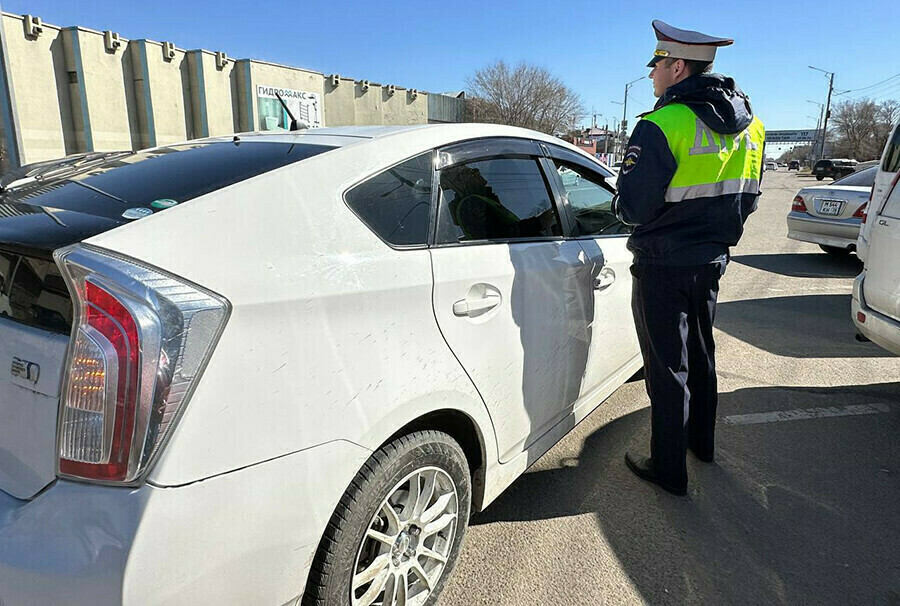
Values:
[(831, 207)]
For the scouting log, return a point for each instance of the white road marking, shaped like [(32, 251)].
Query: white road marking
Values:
[(802, 414)]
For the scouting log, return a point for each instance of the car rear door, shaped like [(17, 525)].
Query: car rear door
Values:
[(587, 200), (512, 296), (882, 282)]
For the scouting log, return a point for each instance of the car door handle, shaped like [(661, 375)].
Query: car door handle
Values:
[(476, 307), (607, 278)]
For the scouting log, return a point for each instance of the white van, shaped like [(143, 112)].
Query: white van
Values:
[(876, 291), (890, 165)]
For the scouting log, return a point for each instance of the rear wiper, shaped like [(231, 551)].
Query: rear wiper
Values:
[(42, 170)]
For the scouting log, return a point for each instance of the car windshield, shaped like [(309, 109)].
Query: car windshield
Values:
[(863, 178)]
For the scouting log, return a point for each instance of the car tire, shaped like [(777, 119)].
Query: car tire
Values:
[(819, 177), (363, 538), (835, 250)]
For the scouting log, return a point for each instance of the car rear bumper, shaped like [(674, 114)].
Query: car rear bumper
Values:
[(840, 233), (878, 328), (246, 537)]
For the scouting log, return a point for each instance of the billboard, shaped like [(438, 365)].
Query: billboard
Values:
[(792, 136), (306, 107)]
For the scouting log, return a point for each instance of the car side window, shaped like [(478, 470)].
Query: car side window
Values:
[(496, 199), (396, 204), (891, 162), (590, 200)]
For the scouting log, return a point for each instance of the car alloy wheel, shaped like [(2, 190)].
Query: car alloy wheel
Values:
[(396, 534), (406, 548)]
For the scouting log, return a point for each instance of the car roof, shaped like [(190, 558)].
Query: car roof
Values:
[(343, 136)]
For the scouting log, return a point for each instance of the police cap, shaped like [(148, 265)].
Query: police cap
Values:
[(684, 44)]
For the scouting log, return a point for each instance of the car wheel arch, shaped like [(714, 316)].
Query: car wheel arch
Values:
[(474, 435)]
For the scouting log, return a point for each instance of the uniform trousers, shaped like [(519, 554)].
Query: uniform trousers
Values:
[(674, 310)]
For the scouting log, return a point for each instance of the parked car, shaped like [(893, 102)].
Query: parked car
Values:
[(830, 215), (771, 165), (834, 168), (889, 166), (249, 369), (794, 165), (876, 291)]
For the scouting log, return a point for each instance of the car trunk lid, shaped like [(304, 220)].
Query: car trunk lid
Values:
[(36, 311), (834, 202)]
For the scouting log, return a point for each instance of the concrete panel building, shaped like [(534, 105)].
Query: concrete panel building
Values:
[(74, 89), (260, 81), (214, 93), (101, 90), (162, 89), (340, 101), (39, 89)]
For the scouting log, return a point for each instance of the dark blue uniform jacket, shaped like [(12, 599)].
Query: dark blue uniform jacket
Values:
[(696, 231)]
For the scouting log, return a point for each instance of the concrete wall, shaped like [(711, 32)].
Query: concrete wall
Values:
[(38, 77), (68, 90), (340, 109), (102, 92), (263, 74), (213, 93), (162, 94)]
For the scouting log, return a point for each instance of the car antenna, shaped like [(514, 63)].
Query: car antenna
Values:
[(295, 123)]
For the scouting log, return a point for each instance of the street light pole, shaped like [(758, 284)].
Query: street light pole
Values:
[(818, 127), (827, 106), (625, 108)]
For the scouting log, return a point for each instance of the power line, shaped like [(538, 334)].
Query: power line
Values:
[(887, 92), (630, 96), (887, 85), (854, 90)]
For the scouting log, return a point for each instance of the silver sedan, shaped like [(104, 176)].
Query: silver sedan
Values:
[(830, 215)]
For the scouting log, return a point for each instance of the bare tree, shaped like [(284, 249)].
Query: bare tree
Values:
[(862, 127), (525, 95)]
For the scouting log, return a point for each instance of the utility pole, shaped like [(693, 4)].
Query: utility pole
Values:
[(827, 106)]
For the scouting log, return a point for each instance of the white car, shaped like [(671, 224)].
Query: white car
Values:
[(888, 168), (876, 291), (285, 368), (831, 215), (770, 165)]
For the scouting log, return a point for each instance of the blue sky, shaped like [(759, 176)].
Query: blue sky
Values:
[(595, 47)]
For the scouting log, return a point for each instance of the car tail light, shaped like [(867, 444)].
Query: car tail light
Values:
[(799, 205), (861, 317), (140, 340), (861, 212)]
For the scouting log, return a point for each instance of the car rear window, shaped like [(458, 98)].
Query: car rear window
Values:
[(863, 178), (182, 172)]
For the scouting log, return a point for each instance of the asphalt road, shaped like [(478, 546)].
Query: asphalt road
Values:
[(799, 508)]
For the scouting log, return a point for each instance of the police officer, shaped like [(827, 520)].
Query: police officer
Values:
[(689, 179)]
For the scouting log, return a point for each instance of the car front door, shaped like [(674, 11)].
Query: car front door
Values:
[(587, 199), (512, 295)]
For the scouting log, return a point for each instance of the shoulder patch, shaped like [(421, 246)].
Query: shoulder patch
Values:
[(632, 155)]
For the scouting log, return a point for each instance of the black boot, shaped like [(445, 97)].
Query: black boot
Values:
[(644, 470)]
